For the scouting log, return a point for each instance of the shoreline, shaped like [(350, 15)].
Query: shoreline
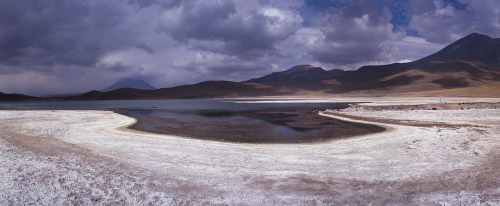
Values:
[(406, 165), (300, 125)]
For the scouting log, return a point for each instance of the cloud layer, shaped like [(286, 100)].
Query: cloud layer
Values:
[(58, 46)]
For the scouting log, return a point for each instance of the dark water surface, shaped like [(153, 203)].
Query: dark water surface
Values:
[(221, 120)]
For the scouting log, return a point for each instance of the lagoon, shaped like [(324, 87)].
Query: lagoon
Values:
[(221, 119)]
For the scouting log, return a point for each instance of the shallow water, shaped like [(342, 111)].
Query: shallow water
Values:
[(224, 120), (174, 105)]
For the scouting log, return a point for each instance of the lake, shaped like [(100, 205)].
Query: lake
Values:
[(221, 120)]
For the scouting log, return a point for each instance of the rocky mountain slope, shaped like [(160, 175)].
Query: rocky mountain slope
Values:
[(129, 83), (16, 97)]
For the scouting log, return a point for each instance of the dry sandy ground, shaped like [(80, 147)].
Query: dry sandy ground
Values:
[(87, 157)]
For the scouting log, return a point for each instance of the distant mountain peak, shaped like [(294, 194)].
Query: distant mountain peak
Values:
[(477, 35), (475, 38), (299, 68), (296, 73), (471, 48), (129, 83)]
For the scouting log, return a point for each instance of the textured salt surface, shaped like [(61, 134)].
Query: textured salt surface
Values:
[(406, 165)]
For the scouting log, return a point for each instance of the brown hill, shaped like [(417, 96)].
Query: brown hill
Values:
[(129, 83), (16, 97), (472, 61), (465, 67), (297, 73), (209, 89), (472, 48)]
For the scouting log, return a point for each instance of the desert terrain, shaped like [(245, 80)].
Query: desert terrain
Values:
[(443, 156)]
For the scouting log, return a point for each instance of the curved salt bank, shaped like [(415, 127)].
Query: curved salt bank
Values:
[(327, 172)]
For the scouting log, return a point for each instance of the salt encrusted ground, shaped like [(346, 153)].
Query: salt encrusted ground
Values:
[(80, 157)]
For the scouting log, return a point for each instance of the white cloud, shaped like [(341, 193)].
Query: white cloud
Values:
[(444, 23), (346, 37)]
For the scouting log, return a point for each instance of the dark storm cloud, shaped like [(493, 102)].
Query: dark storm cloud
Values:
[(143, 3), (28, 25), (161, 3), (212, 66), (218, 26), (60, 32), (229, 69), (352, 34), (115, 66), (422, 6), (441, 23), (145, 47), (237, 71), (349, 23), (7, 70)]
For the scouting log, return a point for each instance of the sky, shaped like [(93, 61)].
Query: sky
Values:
[(71, 46)]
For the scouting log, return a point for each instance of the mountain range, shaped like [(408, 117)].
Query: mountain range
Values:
[(297, 73), (123, 83), (467, 67), (16, 97), (129, 83)]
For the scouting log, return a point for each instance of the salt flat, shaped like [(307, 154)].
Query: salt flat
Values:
[(89, 157)]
